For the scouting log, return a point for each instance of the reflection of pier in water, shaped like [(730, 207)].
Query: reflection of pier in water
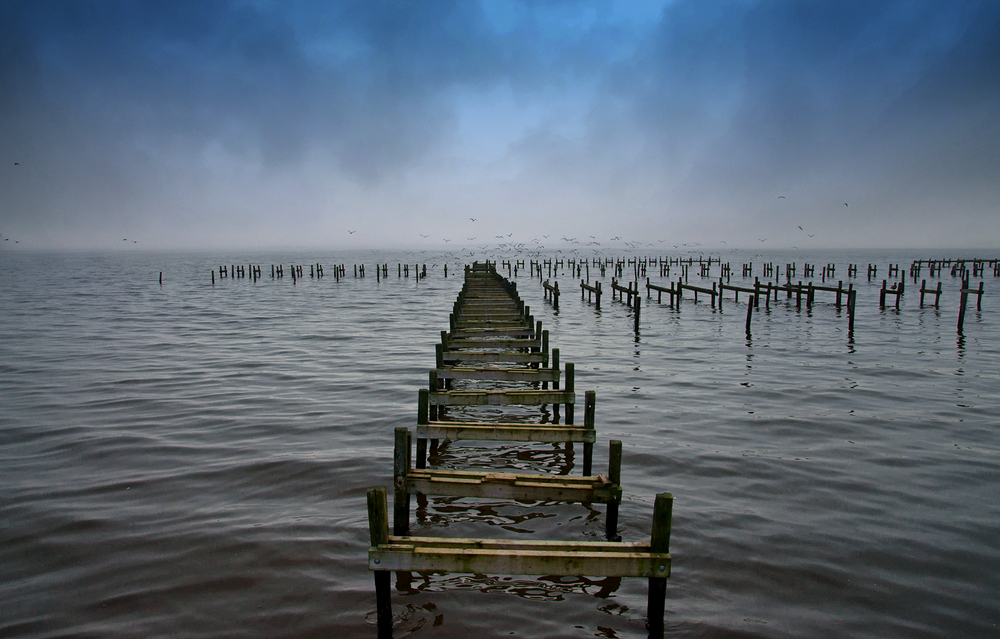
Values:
[(545, 588)]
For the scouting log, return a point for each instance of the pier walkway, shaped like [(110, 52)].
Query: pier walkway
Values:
[(494, 341)]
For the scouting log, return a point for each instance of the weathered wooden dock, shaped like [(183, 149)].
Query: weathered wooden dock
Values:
[(493, 338)]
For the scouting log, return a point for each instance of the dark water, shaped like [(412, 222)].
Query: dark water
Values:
[(191, 461)]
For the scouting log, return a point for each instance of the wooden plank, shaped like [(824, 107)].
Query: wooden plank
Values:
[(495, 356), (502, 397), (615, 560), (488, 431), (493, 342), (491, 332), (480, 324), (518, 486), (500, 374)]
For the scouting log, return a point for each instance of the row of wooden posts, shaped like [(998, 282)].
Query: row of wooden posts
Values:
[(638, 265), (581, 268), (238, 271), (493, 337), (630, 294)]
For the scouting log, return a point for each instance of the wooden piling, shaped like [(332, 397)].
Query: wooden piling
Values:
[(378, 532), (659, 543), (961, 307), (615, 475), (851, 297), (638, 305)]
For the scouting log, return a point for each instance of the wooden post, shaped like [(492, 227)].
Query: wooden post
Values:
[(378, 531), (750, 304), (659, 543), (851, 297), (570, 387), (615, 475), (423, 403), (962, 303), (213, 277), (638, 304), (400, 472), (589, 403), (161, 278)]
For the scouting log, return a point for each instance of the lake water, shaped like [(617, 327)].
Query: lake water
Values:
[(189, 460)]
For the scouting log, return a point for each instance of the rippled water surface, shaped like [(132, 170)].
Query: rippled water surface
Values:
[(190, 460)]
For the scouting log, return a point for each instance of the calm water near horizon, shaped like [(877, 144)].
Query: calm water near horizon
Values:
[(190, 460)]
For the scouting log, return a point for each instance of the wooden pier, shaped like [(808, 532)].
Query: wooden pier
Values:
[(493, 338)]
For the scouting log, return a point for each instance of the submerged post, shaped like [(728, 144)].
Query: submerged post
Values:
[(615, 475), (378, 530), (962, 303), (638, 305), (659, 543), (750, 305), (852, 295), (590, 401), (400, 475)]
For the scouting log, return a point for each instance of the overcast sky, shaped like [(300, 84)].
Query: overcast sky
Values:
[(197, 124)]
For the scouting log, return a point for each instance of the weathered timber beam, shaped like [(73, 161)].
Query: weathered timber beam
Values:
[(491, 431), (492, 332), (613, 559), (513, 486), (495, 356), (500, 374), (502, 397), (495, 342)]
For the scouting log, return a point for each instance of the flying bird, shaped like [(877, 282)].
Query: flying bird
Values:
[(351, 232), (781, 197), (760, 240), (845, 203), (422, 235), (17, 164), (473, 219), (801, 229)]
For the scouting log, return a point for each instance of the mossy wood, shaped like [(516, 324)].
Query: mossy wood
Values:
[(520, 557), (502, 397), (508, 432)]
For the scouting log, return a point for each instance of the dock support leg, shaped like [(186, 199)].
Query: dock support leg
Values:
[(615, 475), (378, 530), (659, 543), (590, 400), (400, 476), (423, 418)]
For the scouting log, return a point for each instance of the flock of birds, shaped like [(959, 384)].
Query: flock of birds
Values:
[(507, 244), (533, 248)]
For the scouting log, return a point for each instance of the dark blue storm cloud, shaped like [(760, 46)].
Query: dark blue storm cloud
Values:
[(685, 119)]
